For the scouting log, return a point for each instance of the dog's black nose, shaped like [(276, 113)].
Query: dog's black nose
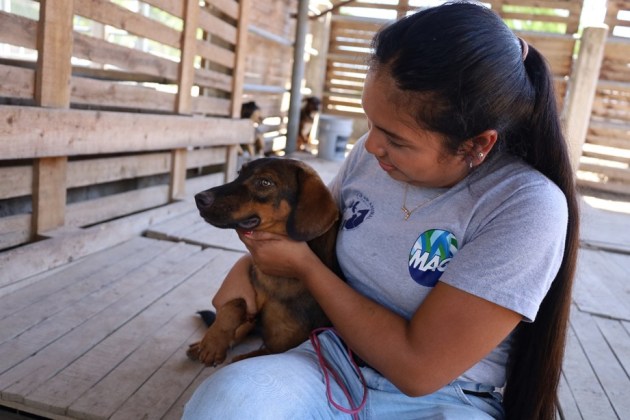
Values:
[(204, 199)]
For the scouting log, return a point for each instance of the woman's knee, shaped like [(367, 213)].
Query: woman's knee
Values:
[(278, 386)]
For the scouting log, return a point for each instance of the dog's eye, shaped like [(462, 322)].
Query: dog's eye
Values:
[(265, 183)]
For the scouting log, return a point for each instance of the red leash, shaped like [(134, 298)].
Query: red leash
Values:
[(327, 369)]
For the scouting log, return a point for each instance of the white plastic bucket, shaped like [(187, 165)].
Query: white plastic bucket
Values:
[(333, 135)]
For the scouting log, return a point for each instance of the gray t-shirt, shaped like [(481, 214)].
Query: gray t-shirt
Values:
[(498, 234)]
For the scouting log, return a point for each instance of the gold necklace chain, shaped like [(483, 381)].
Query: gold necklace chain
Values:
[(406, 212)]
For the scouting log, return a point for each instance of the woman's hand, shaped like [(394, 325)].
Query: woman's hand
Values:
[(278, 255), (275, 255)]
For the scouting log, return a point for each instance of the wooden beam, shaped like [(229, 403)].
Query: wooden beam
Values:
[(30, 132), (183, 103), (52, 89), (216, 54), (140, 66), (230, 163), (134, 23), (110, 169), (216, 26), (100, 93), (54, 45), (14, 230), (49, 193), (20, 263), (17, 82), (238, 76), (109, 207), (187, 59), (211, 105), (402, 8), (177, 185), (579, 101), (175, 8)]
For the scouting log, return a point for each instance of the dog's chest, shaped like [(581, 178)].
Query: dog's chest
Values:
[(277, 288)]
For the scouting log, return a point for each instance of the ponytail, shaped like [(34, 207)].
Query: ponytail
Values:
[(536, 360)]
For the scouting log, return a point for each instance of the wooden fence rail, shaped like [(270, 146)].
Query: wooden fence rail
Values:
[(605, 162), (604, 133), (350, 39), (104, 126), (136, 110)]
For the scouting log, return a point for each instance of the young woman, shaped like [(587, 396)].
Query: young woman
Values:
[(458, 243)]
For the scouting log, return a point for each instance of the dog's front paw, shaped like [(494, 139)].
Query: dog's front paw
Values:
[(193, 351), (211, 350), (231, 325)]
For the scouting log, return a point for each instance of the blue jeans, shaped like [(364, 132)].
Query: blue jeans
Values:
[(291, 386)]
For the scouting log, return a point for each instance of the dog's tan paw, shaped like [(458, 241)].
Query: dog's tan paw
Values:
[(193, 351), (211, 351)]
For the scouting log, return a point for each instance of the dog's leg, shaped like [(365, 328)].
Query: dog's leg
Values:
[(231, 326), (280, 332)]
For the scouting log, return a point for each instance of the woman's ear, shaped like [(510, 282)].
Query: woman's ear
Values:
[(315, 210), (477, 148), (484, 142)]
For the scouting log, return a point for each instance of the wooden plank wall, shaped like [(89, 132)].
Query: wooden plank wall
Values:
[(605, 163), (268, 65), (350, 43), (98, 128)]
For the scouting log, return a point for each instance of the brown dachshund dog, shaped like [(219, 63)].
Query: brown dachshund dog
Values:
[(286, 197)]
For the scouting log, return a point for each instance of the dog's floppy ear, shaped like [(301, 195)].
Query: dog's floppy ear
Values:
[(315, 211)]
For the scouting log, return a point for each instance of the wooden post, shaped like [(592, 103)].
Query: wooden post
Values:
[(231, 160), (52, 89), (297, 76), (187, 57), (315, 73), (238, 76), (401, 10), (578, 103), (177, 186), (238, 80), (183, 104)]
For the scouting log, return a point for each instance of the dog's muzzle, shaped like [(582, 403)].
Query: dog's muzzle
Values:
[(218, 216), (204, 200)]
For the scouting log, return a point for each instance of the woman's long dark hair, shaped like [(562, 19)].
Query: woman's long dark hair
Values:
[(467, 67)]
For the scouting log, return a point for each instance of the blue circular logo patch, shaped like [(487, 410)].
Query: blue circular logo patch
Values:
[(430, 255)]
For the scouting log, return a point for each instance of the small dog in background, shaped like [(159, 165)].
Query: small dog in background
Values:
[(252, 111), (310, 108)]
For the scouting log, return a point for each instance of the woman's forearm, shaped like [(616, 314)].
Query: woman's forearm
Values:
[(375, 333), (450, 332)]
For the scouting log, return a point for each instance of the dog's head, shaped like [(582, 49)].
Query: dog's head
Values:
[(312, 104), (252, 111), (278, 195)]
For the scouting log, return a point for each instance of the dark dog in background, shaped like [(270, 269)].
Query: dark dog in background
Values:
[(286, 197), (311, 107), (252, 111)]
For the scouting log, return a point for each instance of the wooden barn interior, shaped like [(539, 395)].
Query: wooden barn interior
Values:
[(113, 113)]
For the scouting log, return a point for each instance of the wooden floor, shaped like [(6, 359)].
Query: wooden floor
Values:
[(596, 377), (105, 336)]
